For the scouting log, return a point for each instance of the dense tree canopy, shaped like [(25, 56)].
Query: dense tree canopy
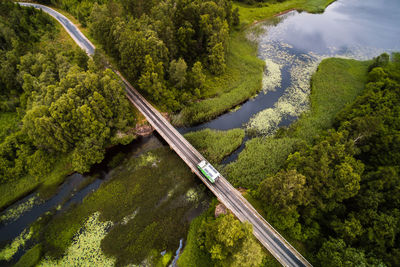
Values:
[(67, 105), (175, 36), (229, 242)]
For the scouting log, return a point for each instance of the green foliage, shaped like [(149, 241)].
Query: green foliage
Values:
[(31, 257), (260, 158), (335, 253), (177, 72), (174, 35), (8, 124), (197, 78), (336, 84), (216, 145), (331, 169), (285, 190), (229, 242), (21, 30), (192, 254)]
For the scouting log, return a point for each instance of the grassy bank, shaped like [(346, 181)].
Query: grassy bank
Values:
[(336, 83), (12, 191), (241, 81), (252, 13), (216, 145)]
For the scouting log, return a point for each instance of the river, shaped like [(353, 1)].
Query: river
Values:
[(292, 47)]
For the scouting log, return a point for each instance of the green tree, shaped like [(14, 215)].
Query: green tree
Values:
[(197, 78), (216, 59), (285, 191), (177, 72), (335, 253), (229, 242), (332, 172)]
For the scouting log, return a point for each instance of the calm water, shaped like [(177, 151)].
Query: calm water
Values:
[(292, 49)]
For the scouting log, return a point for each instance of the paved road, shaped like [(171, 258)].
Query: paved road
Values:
[(225, 192)]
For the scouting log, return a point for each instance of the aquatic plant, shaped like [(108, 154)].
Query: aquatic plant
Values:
[(9, 251), (14, 213), (273, 77), (295, 99), (85, 249)]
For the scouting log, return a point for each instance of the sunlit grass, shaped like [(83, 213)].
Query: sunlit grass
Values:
[(252, 13), (336, 83), (216, 145), (260, 158)]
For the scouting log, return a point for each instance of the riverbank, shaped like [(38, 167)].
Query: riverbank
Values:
[(243, 77), (336, 83)]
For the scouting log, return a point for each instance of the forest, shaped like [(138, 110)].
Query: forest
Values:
[(164, 48), (60, 102)]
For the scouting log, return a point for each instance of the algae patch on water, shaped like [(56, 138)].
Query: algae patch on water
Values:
[(9, 251), (86, 247), (13, 213), (295, 99)]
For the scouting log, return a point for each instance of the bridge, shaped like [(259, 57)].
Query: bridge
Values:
[(222, 189)]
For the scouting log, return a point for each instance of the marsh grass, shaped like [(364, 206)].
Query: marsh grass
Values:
[(251, 13), (153, 187), (85, 249), (336, 83), (13, 213), (9, 250), (31, 257), (216, 145), (260, 158), (47, 185)]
